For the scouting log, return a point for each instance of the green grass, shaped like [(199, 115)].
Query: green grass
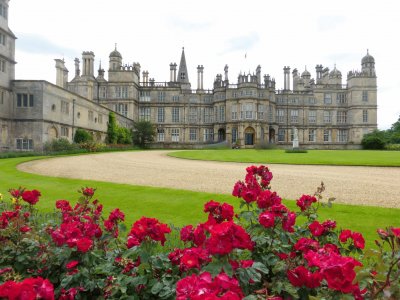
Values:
[(171, 206), (312, 157)]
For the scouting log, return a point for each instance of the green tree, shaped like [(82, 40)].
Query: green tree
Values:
[(143, 133), (374, 140), (124, 135), (82, 136), (112, 129)]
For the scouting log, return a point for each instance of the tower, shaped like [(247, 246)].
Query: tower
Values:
[(115, 60)]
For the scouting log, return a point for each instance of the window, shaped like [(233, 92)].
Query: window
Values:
[(294, 116), (311, 100), (341, 117), (342, 135), (207, 99), (90, 115), (145, 113), (312, 116), (175, 98), (65, 107), (121, 92), (24, 100), (4, 11), (192, 134), (24, 144), (280, 115), (260, 112), (100, 119), (234, 94), (161, 115), (2, 39), (161, 96), (327, 116), (280, 100), (121, 108), (281, 135), (64, 131), (1, 97), (193, 115), (327, 98), (234, 112), (222, 113), (293, 100), (175, 134), (270, 113), (144, 96), (341, 98), (183, 75), (311, 135), (208, 115), (103, 92), (175, 114), (234, 135), (327, 135), (208, 135), (365, 116), (365, 96), (194, 99), (160, 135), (247, 111)]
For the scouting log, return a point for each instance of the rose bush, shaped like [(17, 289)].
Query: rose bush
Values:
[(265, 251)]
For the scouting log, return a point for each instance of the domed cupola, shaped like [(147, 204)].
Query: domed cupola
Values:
[(115, 60), (335, 73), (368, 65), (306, 74), (368, 59)]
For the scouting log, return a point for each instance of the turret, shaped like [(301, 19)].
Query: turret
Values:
[(368, 65), (115, 60)]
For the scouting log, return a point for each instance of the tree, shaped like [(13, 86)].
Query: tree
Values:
[(124, 135), (82, 136), (143, 133), (112, 128), (374, 140)]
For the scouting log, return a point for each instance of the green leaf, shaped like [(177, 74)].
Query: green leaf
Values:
[(157, 288)]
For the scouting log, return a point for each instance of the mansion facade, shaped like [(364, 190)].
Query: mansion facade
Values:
[(326, 112)]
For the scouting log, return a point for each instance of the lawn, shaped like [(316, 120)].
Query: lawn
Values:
[(312, 157), (171, 206)]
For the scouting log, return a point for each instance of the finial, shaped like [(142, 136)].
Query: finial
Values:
[(100, 65), (367, 52), (183, 48), (305, 67), (115, 46)]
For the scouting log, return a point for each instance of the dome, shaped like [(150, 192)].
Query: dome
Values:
[(305, 73), (368, 59), (115, 53), (335, 73)]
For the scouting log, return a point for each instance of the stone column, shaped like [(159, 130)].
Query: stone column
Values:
[(198, 77), (171, 72)]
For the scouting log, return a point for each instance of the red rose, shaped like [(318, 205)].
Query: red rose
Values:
[(267, 219), (84, 244), (358, 239), (316, 228), (25, 229), (72, 264), (89, 192), (305, 202), (345, 235), (32, 197), (396, 232)]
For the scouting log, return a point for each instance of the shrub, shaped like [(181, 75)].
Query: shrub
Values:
[(112, 135), (124, 135), (392, 147), (374, 141), (82, 136), (92, 146), (58, 145), (143, 133), (261, 252)]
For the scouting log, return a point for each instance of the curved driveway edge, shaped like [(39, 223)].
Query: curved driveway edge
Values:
[(376, 186)]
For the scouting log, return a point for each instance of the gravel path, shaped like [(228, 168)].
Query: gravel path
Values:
[(377, 186)]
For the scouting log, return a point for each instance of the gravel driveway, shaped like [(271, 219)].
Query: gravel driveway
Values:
[(377, 186)]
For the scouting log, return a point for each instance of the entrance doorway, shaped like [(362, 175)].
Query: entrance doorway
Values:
[(221, 135), (272, 135), (249, 136)]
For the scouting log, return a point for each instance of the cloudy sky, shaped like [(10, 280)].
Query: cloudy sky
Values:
[(274, 34)]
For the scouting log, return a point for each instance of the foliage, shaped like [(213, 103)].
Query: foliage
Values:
[(374, 140), (112, 127), (124, 135), (296, 151), (92, 146), (392, 147), (82, 136), (58, 145), (143, 133), (266, 251)]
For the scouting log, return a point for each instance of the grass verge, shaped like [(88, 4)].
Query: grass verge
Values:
[(171, 206), (312, 157)]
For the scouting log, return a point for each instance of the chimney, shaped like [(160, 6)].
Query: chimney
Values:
[(61, 73)]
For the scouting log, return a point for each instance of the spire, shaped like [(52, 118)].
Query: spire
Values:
[(183, 76)]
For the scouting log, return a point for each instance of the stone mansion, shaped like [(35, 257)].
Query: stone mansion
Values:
[(326, 112)]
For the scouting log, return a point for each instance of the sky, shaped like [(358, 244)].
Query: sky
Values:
[(240, 34)]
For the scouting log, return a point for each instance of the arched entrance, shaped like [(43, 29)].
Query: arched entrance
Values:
[(52, 132), (272, 135), (221, 135), (249, 136)]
